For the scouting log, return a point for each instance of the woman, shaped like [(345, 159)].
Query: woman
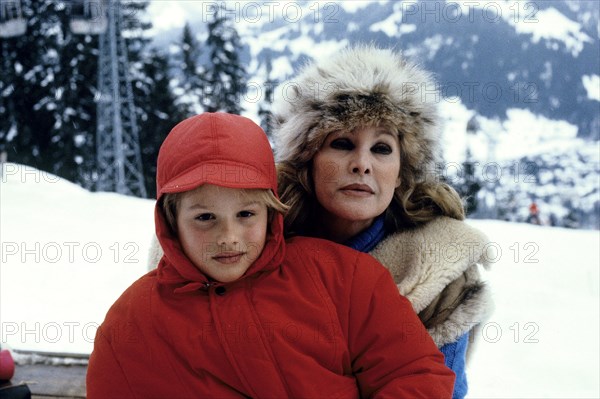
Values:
[(357, 142)]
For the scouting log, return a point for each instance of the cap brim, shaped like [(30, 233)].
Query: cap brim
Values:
[(224, 174)]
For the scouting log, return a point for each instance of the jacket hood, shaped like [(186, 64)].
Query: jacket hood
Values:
[(358, 87), (221, 149)]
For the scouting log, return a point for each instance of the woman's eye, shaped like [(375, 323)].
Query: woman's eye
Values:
[(205, 217), (245, 214), (384, 149), (341, 144)]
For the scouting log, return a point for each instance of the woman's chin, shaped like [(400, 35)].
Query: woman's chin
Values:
[(348, 216), (357, 210)]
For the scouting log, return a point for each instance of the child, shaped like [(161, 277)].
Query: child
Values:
[(233, 311)]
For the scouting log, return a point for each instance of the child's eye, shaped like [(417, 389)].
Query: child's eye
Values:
[(382, 148), (245, 214), (205, 217), (342, 144)]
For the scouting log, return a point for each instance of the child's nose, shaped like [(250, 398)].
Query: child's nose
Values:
[(228, 234)]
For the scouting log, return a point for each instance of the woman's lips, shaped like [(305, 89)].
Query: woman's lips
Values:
[(228, 257), (358, 190)]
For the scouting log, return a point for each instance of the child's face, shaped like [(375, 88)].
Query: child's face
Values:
[(222, 230)]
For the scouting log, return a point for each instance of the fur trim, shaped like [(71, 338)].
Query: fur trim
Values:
[(425, 260), (358, 86), (155, 253)]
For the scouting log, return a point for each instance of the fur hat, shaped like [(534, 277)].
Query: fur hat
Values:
[(356, 87)]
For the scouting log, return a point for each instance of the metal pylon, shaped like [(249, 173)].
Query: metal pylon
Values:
[(119, 161)]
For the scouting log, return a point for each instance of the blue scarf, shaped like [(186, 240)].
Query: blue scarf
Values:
[(368, 239)]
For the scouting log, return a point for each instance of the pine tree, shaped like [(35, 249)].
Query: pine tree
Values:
[(469, 186), (75, 116), (35, 92), (264, 109), (18, 90), (189, 83), (8, 76), (161, 116), (225, 76)]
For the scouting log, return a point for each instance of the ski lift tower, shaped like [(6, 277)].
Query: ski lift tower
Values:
[(119, 162)]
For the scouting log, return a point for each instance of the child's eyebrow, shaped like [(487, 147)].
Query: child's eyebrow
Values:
[(202, 206), (250, 203), (197, 206)]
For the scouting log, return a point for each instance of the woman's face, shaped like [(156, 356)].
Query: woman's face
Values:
[(355, 175)]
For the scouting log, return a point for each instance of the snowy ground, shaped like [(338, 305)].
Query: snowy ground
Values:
[(543, 339), (67, 254)]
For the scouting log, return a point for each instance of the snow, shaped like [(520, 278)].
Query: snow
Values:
[(248, 16), (389, 26), (542, 340), (270, 39), (550, 24), (530, 134), (592, 86), (454, 137), (356, 5), (67, 254), (394, 25), (315, 49), (166, 15), (434, 44), (526, 17), (12, 132), (522, 133), (283, 66)]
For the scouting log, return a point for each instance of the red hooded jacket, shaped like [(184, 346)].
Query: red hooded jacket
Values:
[(308, 319)]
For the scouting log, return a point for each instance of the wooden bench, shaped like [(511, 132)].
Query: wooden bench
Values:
[(48, 379)]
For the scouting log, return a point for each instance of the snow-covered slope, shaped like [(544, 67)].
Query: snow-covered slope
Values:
[(542, 341), (67, 254)]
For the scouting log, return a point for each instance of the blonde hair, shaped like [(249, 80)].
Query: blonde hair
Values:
[(169, 203)]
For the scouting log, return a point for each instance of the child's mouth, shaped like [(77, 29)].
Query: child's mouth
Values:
[(228, 257)]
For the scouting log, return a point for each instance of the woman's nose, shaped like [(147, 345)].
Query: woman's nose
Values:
[(361, 163)]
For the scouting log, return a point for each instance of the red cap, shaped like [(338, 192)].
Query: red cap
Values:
[(215, 148)]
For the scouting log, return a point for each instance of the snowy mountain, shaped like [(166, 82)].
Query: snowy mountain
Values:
[(494, 55), (524, 159), (527, 74), (67, 254)]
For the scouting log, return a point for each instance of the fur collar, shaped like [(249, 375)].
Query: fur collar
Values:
[(424, 262)]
